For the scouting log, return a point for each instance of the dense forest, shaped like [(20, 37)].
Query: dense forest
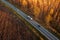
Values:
[(45, 11), (13, 28)]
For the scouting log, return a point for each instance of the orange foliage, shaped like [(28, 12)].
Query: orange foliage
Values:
[(45, 10)]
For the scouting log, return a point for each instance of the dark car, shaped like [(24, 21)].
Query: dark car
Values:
[(38, 25)]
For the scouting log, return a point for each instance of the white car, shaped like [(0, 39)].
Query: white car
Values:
[(30, 18)]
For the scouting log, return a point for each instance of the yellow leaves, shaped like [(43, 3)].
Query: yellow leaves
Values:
[(36, 11), (45, 2), (46, 6), (48, 18), (40, 2), (24, 3), (35, 2), (51, 11)]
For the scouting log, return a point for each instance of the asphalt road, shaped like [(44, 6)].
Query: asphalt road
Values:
[(40, 28)]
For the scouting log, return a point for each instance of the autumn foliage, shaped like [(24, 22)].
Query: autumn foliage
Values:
[(12, 28), (47, 11)]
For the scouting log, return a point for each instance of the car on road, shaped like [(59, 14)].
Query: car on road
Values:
[(30, 18), (38, 25)]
